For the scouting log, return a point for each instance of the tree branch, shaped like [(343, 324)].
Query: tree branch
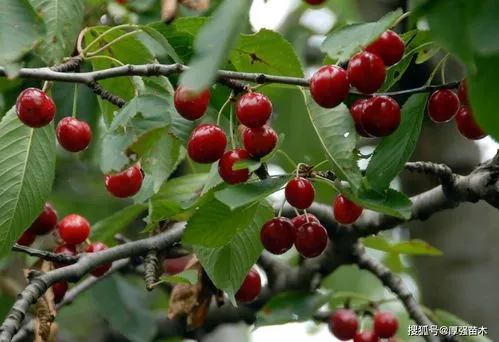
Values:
[(50, 256)]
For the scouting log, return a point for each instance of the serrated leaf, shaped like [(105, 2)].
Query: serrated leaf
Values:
[(158, 37), (249, 164), (185, 277), (389, 202), (213, 179), (182, 189), (444, 318), (412, 247)]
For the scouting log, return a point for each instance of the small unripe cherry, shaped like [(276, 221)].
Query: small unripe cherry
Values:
[(389, 47), (59, 290), (226, 163), (365, 336), (443, 105), (381, 116), (69, 250), (74, 229), (45, 222), (357, 110), (259, 141), (26, 239), (250, 288), (73, 135), (302, 219), (35, 108), (366, 72), (345, 211), (94, 247), (343, 324), (329, 86), (278, 235), (207, 143), (191, 105), (311, 239), (300, 193), (253, 109), (126, 183), (462, 92), (385, 324), (467, 125)]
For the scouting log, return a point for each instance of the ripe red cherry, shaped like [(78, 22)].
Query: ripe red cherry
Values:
[(207, 143), (98, 247), (385, 324), (389, 47), (74, 229), (176, 265), (225, 167), (311, 239), (124, 184), (250, 288), (74, 135), (343, 324), (59, 290), (259, 141), (462, 92), (357, 109), (278, 235), (345, 211), (69, 250), (45, 222), (315, 2), (300, 193), (34, 108), (297, 221), (443, 105), (191, 106), (26, 239), (329, 86), (253, 109), (365, 336), (366, 72), (381, 116), (467, 125)]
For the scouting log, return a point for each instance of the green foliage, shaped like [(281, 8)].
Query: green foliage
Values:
[(160, 39), (412, 247), (185, 277), (444, 318)]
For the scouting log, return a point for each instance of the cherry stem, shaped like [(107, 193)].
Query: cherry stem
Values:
[(231, 129), (105, 57), (434, 72), (306, 215), (319, 164), (103, 34), (296, 211), (46, 86), (280, 209), (112, 42), (75, 100), (287, 157), (222, 109)]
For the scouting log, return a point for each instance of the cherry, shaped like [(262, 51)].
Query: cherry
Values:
[(278, 235), (98, 247), (34, 108), (190, 105), (366, 72), (315, 2), (300, 193), (207, 143), (250, 288), (253, 109), (345, 211), (27, 238), (297, 221), (329, 86), (462, 92), (365, 336), (381, 116), (45, 222), (74, 135), (126, 183), (343, 324), (225, 167), (69, 250), (443, 105), (311, 239), (467, 125), (357, 109), (389, 47), (74, 229), (176, 265), (259, 141), (59, 290), (385, 324)]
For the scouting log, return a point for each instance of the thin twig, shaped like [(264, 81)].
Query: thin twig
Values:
[(50, 256)]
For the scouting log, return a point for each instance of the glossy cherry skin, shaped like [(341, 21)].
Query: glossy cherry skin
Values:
[(311, 239), (278, 235), (381, 116), (345, 211), (225, 167), (124, 184), (467, 125), (207, 143), (357, 110), (45, 222), (73, 135), (329, 86), (315, 2), (74, 229), (35, 108), (443, 105), (366, 72), (176, 265), (250, 288), (253, 109), (69, 250), (59, 290), (343, 324), (462, 92), (389, 47), (365, 336), (191, 106), (259, 141), (300, 193), (26, 239), (98, 247), (297, 221), (385, 324)]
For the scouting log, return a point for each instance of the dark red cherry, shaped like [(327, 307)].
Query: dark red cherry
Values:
[(329, 86), (357, 110), (126, 183), (366, 72), (259, 141), (300, 193), (343, 324), (253, 109), (250, 288), (345, 211), (73, 135), (45, 222), (278, 235), (381, 116), (191, 105), (302, 219), (443, 105), (26, 239), (207, 143), (385, 324), (69, 250), (176, 265), (389, 47), (74, 229), (311, 239), (34, 108), (467, 125), (226, 163), (462, 92), (365, 336), (94, 247), (59, 290)]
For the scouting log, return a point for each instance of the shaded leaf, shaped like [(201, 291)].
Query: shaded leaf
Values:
[(412, 247), (187, 277), (159, 38), (444, 318), (389, 202)]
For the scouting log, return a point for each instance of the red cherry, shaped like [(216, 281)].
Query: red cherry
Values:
[(467, 125), (74, 229), (311, 239), (253, 109), (69, 250), (345, 211), (315, 2), (329, 86), (26, 239), (343, 324), (462, 92), (381, 116), (126, 183), (278, 235), (259, 141), (191, 106), (365, 336), (389, 47), (34, 108), (59, 290), (45, 222), (98, 247), (366, 72), (250, 288), (357, 109), (207, 143), (300, 193), (176, 265), (74, 135), (225, 167), (297, 221), (443, 105), (385, 324)]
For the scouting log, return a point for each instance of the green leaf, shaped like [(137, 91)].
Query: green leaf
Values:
[(444, 318), (412, 247), (250, 164), (185, 277), (286, 307), (27, 168), (337, 135), (182, 189), (389, 202), (158, 37), (213, 179), (162, 209), (393, 262), (227, 22), (345, 42), (394, 151), (484, 28)]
